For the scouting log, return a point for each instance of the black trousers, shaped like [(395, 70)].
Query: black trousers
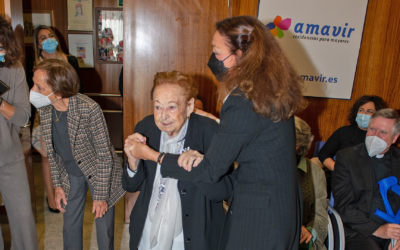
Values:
[(356, 241)]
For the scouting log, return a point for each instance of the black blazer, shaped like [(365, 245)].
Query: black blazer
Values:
[(202, 210), (265, 212), (352, 187)]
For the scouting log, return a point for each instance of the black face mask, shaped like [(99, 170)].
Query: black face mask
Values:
[(217, 67)]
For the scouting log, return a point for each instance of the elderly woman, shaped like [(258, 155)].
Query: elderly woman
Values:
[(313, 186), (259, 92), (172, 214), (80, 152), (14, 113)]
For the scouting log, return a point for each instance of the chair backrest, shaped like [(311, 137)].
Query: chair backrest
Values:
[(317, 147), (331, 236), (338, 229)]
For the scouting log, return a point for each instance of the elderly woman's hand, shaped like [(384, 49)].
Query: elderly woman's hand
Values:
[(139, 150), (305, 235), (190, 159), (60, 195), (128, 148), (100, 208)]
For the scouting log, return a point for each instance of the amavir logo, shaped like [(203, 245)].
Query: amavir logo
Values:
[(325, 31), (278, 25)]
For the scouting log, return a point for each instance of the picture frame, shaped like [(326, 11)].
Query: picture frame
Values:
[(80, 15), (34, 18), (81, 46), (120, 3), (108, 40)]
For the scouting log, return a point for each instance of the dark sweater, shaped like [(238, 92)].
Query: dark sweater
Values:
[(344, 137)]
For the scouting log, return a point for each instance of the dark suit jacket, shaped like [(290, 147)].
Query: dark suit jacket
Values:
[(265, 212), (91, 147), (202, 210), (352, 187)]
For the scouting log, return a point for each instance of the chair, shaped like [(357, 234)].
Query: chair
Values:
[(331, 236), (336, 238), (317, 147)]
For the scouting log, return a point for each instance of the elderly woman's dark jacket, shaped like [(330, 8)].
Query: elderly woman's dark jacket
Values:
[(202, 210), (91, 148), (265, 210)]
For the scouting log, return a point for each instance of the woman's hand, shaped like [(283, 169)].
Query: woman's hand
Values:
[(190, 159), (128, 148), (100, 208), (138, 150), (305, 235), (60, 195), (203, 113)]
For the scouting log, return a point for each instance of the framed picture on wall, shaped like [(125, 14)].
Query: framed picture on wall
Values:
[(80, 16), (81, 46), (34, 18), (120, 3), (110, 34)]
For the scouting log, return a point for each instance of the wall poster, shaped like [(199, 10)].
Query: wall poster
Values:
[(81, 46), (321, 39), (80, 15)]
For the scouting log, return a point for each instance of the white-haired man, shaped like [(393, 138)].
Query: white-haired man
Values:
[(355, 189)]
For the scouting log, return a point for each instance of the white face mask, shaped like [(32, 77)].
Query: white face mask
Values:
[(38, 100), (375, 145)]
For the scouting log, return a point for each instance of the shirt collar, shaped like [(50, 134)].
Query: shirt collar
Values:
[(229, 94), (303, 164)]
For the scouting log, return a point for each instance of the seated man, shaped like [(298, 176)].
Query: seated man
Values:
[(355, 189)]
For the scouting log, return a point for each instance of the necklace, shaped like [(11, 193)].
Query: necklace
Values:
[(57, 117)]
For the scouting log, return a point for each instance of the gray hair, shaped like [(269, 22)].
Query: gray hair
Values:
[(303, 136), (389, 114)]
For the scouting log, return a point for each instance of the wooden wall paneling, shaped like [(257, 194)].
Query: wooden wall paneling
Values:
[(244, 7), (2, 8)]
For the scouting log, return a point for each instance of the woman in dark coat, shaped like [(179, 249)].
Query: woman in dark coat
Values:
[(259, 92), (184, 215)]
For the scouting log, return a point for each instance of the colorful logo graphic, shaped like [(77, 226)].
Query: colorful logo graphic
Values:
[(278, 26)]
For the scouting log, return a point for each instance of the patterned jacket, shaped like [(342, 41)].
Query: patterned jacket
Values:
[(91, 147)]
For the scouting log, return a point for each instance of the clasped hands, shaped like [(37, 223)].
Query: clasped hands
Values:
[(136, 148)]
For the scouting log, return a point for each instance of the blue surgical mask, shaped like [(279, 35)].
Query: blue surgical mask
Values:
[(362, 120), (49, 45), (2, 57)]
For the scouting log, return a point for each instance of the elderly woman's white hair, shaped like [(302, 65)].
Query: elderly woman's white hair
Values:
[(303, 136)]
